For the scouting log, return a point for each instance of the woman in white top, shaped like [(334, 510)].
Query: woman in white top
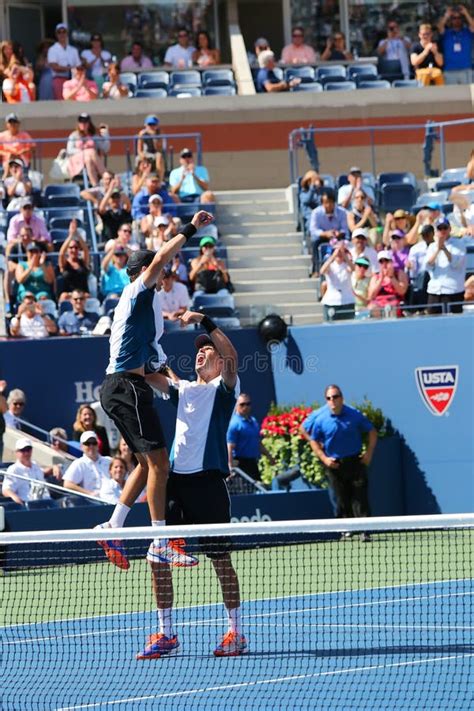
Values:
[(113, 88), (96, 59), (338, 300)]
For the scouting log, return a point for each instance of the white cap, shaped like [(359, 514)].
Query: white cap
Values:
[(154, 197), (359, 232), (88, 434), (22, 443), (162, 221), (385, 254)]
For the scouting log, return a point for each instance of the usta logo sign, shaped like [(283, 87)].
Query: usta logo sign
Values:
[(437, 385)]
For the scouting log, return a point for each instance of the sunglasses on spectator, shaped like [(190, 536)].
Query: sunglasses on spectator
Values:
[(19, 404), (26, 449), (186, 155), (91, 443), (361, 266), (297, 34), (27, 207), (78, 298), (384, 261), (443, 228), (332, 397), (245, 404)]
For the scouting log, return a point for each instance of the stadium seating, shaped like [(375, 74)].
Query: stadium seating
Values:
[(375, 84), (407, 178), (215, 304), (218, 77), (390, 69), (340, 86), (394, 196), (438, 196), (154, 80), (183, 92), (64, 195), (458, 174), (361, 70), (306, 74), (313, 87), (39, 504), (147, 93), (406, 84), (333, 73), (220, 91), (185, 78)]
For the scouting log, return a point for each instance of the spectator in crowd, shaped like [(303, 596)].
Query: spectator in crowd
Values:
[(416, 266), (428, 215), (360, 213), (180, 55), (16, 184), (297, 52), (80, 88), (190, 182), (127, 455), (78, 321), (346, 193), (114, 210), (31, 321), (19, 490), (338, 300), (74, 263), (267, 80), (463, 214), (124, 239), (96, 59), (153, 225), (205, 55), (141, 174), (426, 58), (114, 277), (43, 72), (62, 57), (118, 470), (35, 275), (209, 274), (96, 193), (244, 445), (113, 88), (153, 186), (260, 45), (85, 149), (468, 290), (27, 218), (15, 143), (18, 86), (149, 144), (336, 50), (7, 57), (457, 43), (16, 401), (399, 249), (173, 296), (327, 221), (360, 285), (54, 473), (136, 60), (446, 264), (310, 195), (361, 248), (394, 46), (179, 269), (3, 409), (399, 220), (89, 473), (387, 288), (86, 420), (335, 433)]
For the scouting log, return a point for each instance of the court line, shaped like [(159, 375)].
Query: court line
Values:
[(250, 616), (262, 682), (261, 599)]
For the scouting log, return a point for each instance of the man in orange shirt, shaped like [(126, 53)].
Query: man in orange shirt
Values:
[(79, 88), (15, 143)]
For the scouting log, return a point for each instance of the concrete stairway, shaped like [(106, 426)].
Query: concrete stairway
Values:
[(265, 262)]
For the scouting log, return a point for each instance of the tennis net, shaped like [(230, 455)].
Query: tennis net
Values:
[(346, 614)]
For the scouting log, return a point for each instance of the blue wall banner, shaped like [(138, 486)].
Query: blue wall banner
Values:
[(419, 371)]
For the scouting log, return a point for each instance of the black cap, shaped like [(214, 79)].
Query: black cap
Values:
[(203, 340), (137, 260), (83, 117), (32, 247), (427, 230)]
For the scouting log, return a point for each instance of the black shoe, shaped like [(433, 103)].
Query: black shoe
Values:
[(365, 537)]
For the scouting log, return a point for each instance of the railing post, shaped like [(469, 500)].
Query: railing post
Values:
[(372, 151), (442, 148)]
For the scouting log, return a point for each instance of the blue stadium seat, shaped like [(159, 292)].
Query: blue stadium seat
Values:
[(68, 193), (13, 506), (219, 91), (455, 174), (218, 77), (278, 72), (151, 93), (407, 177), (306, 74), (396, 196), (190, 77), (340, 86), (406, 84), (227, 322), (184, 92), (215, 304), (62, 223), (58, 235), (64, 306), (361, 70), (375, 84), (313, 87), (49, 307), (330, 72), (153, 80), (342, 180), (447, 185), (359, 79), (438, 196), (390, 69), (39, 504), (109, 304), (128, 78)]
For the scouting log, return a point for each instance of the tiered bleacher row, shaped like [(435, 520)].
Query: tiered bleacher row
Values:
[(159, 84)]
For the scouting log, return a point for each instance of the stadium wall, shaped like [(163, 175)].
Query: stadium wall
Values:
[(245, 138), (379, 361)]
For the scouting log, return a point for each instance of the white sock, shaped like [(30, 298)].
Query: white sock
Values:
[(235, 619), (165, 615), (159, 542), (119, 515)]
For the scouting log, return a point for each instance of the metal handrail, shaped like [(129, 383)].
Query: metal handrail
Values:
[(56, 487)]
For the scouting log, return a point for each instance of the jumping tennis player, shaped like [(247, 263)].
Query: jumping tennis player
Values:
[(196, 490), (128, 399)]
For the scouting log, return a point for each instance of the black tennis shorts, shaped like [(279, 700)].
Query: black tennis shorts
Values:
[(200, 498), (128, 401)]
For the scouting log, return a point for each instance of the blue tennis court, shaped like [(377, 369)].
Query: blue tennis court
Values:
[(402, 646)]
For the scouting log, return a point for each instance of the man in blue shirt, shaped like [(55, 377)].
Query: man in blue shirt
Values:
[(335, 435), (326, 221), (141, 201), (78, 321), (457, 42), (243, 438), (190, 182)]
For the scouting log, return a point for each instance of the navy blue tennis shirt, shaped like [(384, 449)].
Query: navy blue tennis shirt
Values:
[(340, 435)]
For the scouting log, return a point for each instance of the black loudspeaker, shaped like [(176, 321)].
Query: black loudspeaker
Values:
[(272, 329)]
